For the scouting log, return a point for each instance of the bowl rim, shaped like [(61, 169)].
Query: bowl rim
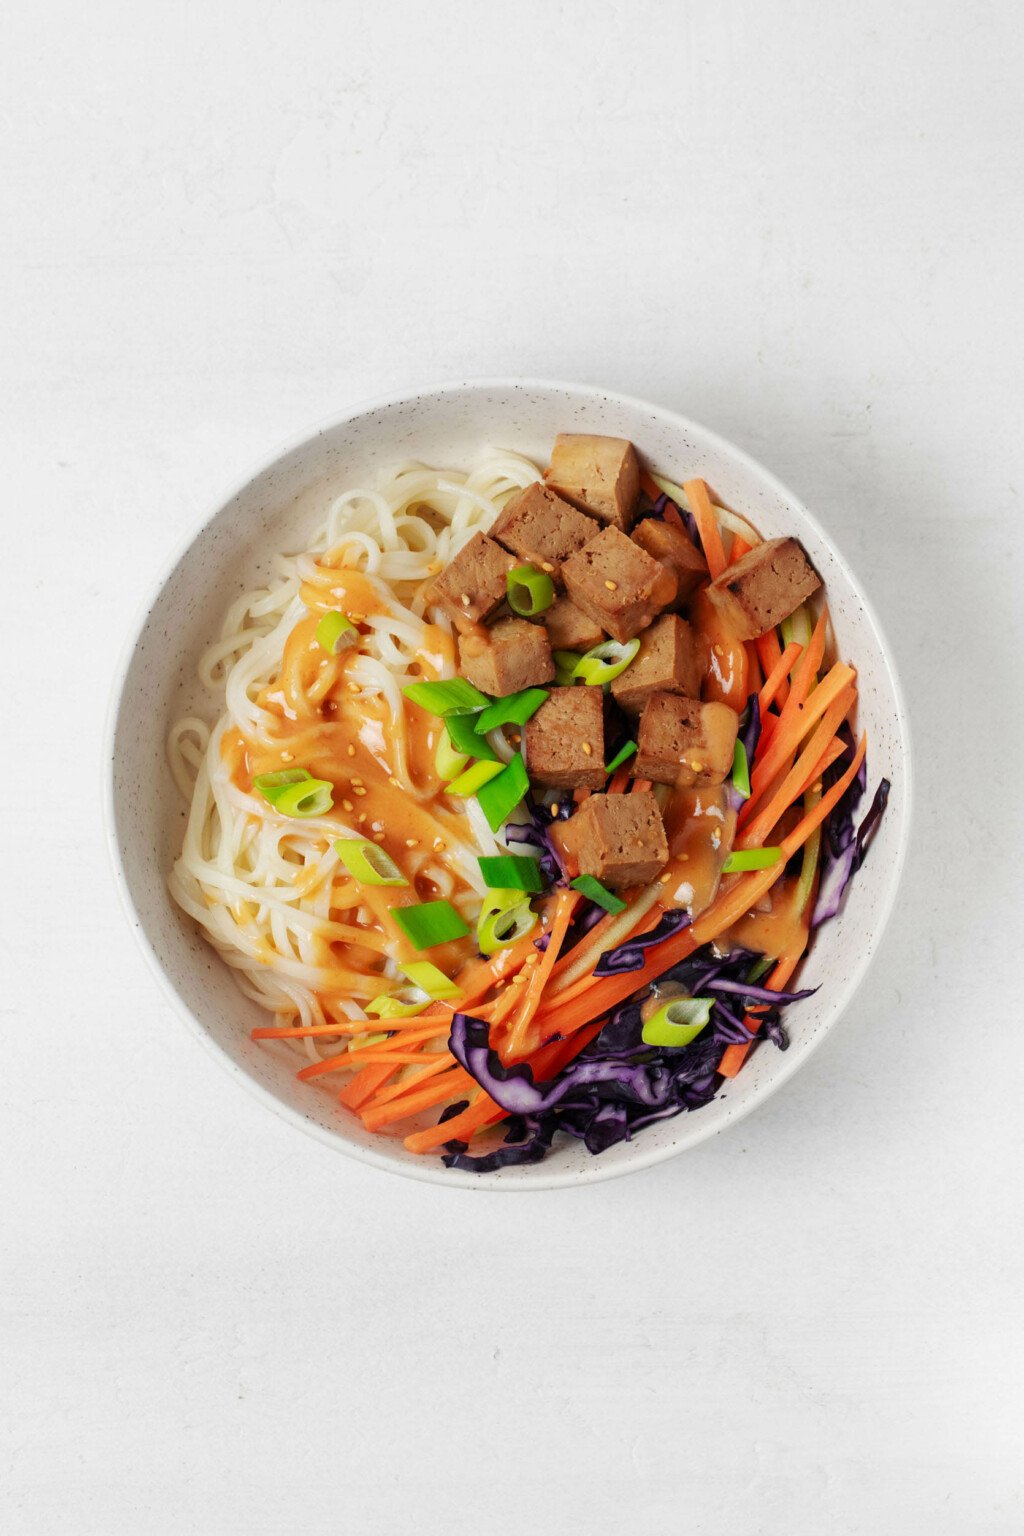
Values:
[(532, 1176)]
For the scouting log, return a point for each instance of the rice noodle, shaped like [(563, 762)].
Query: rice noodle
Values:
[(268, 891)]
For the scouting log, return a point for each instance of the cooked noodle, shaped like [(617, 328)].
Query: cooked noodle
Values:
[(267, 890)]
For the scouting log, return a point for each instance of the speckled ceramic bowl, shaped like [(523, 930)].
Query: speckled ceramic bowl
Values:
[(275, 509)]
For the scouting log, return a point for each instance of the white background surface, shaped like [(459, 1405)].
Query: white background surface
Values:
[(801, 224)]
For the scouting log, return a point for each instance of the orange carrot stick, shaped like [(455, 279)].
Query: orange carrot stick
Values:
[(806, 768), (365, 1083), (794, 723), (779, 674), (769, 651), (451, 1085), (566, 903), (707, 525)]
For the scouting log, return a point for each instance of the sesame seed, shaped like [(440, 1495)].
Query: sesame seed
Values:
[(546, 565), (515, 739), (411, 842), (438, 842), (393, 782), (378, 837), (532, 959), (588, 749), (353, 687), (554, 811), (356, 779), (664, 879), (351, 750), (465, 599), (347, 805), (719, 651), (612, 586), (695, 765), (287, 757), (361, 820), (357, 789)]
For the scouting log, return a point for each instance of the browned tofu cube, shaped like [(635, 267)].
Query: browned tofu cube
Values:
[(618, 584), (675, 549), (764, 587), (620, 839), (600, 475), (564, 741), (511, 655), (668, 661), (569, 628), (474, 584), (684, 742), (542, 529)]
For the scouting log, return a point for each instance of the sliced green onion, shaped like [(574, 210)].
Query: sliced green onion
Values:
[(529, 591), (566, 663), (474, 778), (511, 872), (464, 737), (453, 693), (797, 627), (499, 798), (394, 1008), (606, 661), (430, 923), (367, 862), (425, 975), (622, 756), (758, 969), (751, 858), (678, 1022), (513, 709), (595, 891), (447, 762), (334, 632), (504, 917), (362, 1042), (306, 797), (740, 770), (272, 785)]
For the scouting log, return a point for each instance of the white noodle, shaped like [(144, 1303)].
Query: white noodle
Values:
[(263, 887)]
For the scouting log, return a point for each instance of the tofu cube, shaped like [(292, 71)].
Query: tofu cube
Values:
[(620, 839), (600, 475), (618, 584), (542, 529), (474, 584), (513, 654), (684, 742), (675, 549), (668, 661), (564, 741), (569, 628), (764, 587)]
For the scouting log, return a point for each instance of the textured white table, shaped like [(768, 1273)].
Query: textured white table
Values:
[(799, 223)]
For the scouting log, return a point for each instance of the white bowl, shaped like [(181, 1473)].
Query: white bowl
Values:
[(275, 509)]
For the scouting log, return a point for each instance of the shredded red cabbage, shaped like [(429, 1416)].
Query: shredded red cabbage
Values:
[(630, 955)]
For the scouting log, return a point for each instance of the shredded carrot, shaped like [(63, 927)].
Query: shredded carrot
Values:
[(619, 780), (806, 768), (707, 525), (794, 723), (769, 650), (431, 1066), (365, 1083), (648, 485), (740, 547), (734, 1056), (639, 786), (448, 1086), (778, 677), (545, 1064), (392, 1050), (566, 903)]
